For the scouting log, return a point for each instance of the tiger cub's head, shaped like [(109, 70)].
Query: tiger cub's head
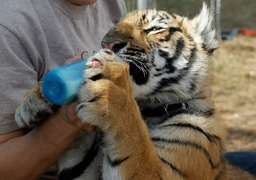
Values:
[(168, 54)]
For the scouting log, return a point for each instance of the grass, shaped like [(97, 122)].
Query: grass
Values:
[(234, 68)]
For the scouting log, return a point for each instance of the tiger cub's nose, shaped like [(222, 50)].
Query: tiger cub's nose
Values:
[(115, 45)]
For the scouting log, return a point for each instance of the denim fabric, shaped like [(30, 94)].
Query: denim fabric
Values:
[(244, 159)]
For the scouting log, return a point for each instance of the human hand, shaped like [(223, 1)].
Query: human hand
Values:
[(73, 59), (68, 113)]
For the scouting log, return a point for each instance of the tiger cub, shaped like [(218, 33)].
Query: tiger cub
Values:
[(148, 97)]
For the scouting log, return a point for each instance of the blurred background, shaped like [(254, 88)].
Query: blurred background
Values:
[(233, 64)]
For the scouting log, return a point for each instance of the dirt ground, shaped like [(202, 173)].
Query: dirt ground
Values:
[(234, 90)]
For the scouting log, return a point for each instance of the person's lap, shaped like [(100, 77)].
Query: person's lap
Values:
[(244, 159)]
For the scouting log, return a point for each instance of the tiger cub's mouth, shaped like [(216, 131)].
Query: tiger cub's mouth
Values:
[(138, 70), (139, 75)]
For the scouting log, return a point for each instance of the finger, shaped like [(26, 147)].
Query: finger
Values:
[(94, 64), (71, 60), (87, 127), (71, 109)]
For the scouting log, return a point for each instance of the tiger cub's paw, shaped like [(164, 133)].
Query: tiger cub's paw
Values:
[(33, 109), (107, 90)]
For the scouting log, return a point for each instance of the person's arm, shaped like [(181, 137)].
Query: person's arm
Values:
[(29, 156), (26, 156)]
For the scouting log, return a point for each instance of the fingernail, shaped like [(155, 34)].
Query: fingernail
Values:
[(96, 64), (89, 64)]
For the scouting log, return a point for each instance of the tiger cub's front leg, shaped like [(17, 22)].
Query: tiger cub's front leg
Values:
[(34, 108), (106, 100)]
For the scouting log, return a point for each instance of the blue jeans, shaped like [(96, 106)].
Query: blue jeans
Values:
[(243, 159)]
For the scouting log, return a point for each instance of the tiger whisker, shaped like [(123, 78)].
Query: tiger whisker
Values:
[(141, 68)]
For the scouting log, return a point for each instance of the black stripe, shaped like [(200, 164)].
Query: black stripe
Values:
[(117, 162), (172, 30), (171, 69), (144, 16), (183, 72), (165, 16), (181, 22), (208, 49), (133, 53), (207, 113), (188, 111), (78, 169), (193, 50), (168, 81), (153, 17), (179, 47), (147, 112), (209, 136), (192, 86), (174, 16), (161, 18), (191, 144), (192, 58), (97, 77), (169, 61), (173, 167), (163, 54), (139, 50), (163, 110)]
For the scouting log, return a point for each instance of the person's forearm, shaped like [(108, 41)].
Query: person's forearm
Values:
[(29, 156)]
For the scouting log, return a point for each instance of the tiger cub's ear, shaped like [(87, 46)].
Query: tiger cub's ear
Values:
[(204, 31)]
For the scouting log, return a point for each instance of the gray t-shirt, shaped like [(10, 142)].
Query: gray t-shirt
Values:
[(39, 35)]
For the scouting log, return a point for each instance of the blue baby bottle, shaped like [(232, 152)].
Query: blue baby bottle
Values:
[(61, 85)]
